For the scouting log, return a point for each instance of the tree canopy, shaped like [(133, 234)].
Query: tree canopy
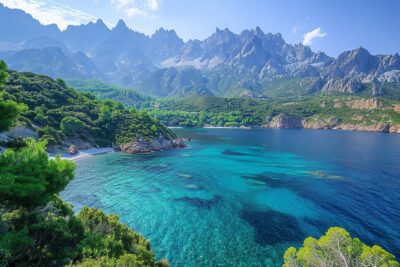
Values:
[(338, 249)]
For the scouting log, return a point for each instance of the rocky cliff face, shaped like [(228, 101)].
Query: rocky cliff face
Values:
[(284, 121), (367, 104), (316, 122)]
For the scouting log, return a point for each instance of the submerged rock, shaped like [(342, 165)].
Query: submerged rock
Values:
[(200, 202), (322, 174), (184, 175), (273, 227), (194, 187), (231, 152)]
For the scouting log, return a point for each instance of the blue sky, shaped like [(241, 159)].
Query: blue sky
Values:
[(331, 26)]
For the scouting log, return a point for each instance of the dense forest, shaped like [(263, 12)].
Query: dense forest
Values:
[(215, 111), (61, 115), (101, 90)]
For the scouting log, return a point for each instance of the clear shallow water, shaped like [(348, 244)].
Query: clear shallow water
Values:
[(240, 197)]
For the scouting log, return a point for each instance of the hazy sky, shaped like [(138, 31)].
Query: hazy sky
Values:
[(327, 25)]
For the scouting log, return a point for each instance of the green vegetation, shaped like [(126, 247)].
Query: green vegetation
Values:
[(9, 110), (103, 91), (216, 111), (337, 249), (62, 115), (37, 228), (336, 110)]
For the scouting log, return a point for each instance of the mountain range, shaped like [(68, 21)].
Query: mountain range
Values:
[(249, 64)]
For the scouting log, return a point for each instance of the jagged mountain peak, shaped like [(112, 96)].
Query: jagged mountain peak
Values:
[(228, 62), (258, 30), (359, 52), (163, 33), (121, 26)]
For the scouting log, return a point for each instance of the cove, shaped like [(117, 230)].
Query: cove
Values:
[(241, 197)]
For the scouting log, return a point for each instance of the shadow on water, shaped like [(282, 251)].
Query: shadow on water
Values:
[(231, 152), (273, 227), (200, 202)]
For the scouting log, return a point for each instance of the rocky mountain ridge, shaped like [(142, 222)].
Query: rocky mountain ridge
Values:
[(249, 64)]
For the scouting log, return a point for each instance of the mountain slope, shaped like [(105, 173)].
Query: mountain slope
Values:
[(249, 64)]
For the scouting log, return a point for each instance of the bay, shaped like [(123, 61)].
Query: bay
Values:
[(241, 197)]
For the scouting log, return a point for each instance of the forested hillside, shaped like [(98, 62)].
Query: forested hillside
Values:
[(320, 112), (62, 115)]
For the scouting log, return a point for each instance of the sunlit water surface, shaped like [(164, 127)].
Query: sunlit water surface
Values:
[(238, 197)]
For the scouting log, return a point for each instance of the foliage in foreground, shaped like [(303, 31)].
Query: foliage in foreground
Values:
[(337, 249), (29, 179), (38, 229)]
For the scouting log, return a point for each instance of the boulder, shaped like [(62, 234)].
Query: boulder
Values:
[(179, 142), (73, 149)]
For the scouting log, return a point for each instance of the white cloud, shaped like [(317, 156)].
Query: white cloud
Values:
[(50, 12), (133, 8), (310, 36), (153, 4)]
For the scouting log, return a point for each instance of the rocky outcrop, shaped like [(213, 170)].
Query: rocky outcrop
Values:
[(284, 121), (22, 132), (375, 127), (343, 86), (146, 146), (396, 108), (368, 104), (317, 122)]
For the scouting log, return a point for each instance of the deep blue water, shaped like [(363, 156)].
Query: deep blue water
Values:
[(240, 197)]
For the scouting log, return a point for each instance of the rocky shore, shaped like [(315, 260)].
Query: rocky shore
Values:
[(317, 122), (146, 146)]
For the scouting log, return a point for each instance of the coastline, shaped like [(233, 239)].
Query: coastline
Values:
[(85, 153), (344, 127)]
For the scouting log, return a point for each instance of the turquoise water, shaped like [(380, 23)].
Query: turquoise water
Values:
[(239, 197)]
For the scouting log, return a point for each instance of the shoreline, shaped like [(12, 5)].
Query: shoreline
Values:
[(336, 128), (85, 153)]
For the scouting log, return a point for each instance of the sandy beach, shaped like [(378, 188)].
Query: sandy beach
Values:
[(84, 153)]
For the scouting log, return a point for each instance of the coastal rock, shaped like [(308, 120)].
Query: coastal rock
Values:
[(376, 127), (145, 146), (79, 143), (316, 122), (179, 142), (72, 150), (284, 121)]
